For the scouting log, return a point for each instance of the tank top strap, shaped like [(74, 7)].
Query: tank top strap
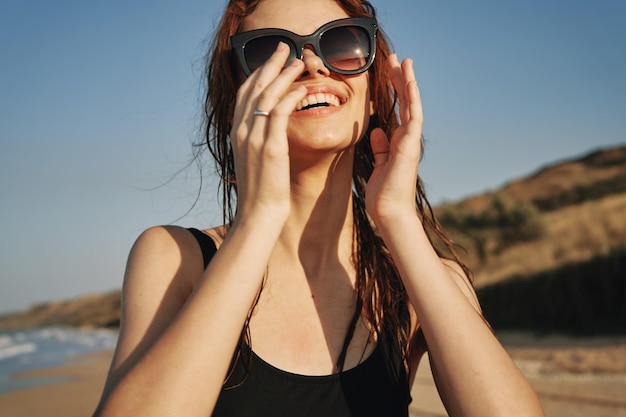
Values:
[(207, 245)]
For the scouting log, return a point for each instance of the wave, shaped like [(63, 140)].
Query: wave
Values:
[(22, 350)]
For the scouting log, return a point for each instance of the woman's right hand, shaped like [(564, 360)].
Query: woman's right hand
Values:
[(259, 143)]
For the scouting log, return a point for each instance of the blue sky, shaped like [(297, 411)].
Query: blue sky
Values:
[(99, 106)]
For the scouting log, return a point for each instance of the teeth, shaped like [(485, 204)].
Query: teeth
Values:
[(318, 98)]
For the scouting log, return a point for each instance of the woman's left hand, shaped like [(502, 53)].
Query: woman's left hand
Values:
[(391, 188)]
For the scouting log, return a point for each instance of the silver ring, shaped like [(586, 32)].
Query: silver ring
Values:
[(258, 112)]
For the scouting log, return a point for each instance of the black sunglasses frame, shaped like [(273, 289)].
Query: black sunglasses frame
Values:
[(369, 24)]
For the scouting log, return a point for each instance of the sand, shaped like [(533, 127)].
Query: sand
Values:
[(573, 378), (76, 397)]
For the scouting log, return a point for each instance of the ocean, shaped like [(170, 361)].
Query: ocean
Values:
[(23, 350)]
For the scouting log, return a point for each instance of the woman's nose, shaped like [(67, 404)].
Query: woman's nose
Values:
[(313, 64)]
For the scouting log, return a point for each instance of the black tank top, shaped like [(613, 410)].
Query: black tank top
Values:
[(376, 387)]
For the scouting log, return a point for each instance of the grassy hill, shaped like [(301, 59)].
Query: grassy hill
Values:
[(569, 212), (549, 250)]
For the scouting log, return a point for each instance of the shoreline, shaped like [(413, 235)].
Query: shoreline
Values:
[(76, 395), (571, 392), (557, 354)]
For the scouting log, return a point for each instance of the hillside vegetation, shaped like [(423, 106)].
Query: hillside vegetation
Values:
[(88, 311), (548, 251), (587, 298), (566, 213)]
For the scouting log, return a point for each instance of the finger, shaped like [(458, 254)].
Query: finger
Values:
[(408, 72), (280, 85), (279, 117), (414, 116), (415, 103), (405, 85), (275, 93), (380, 147), (395, 72), (259, 79), (266, 73), (410, 88)]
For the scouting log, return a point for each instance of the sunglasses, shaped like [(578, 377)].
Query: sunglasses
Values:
[(345, 46)]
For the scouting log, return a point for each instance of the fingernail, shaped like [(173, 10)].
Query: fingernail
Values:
[(281, 46)]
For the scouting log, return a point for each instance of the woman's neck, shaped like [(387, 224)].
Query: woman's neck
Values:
[(320, 226)]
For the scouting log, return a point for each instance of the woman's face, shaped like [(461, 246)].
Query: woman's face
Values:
[(329, 128)]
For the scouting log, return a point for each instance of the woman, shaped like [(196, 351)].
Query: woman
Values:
[(326, 290)]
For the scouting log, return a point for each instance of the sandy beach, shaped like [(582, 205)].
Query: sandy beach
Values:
[(75, 397), (573, 377)]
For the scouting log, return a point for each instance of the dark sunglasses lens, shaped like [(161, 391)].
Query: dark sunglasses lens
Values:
[(257, 51), (346, 48)]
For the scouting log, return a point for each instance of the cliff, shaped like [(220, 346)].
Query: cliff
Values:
[(89, 311)]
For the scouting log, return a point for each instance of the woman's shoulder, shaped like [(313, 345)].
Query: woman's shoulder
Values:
[(175, 241), (165, 243), (166, 253)]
